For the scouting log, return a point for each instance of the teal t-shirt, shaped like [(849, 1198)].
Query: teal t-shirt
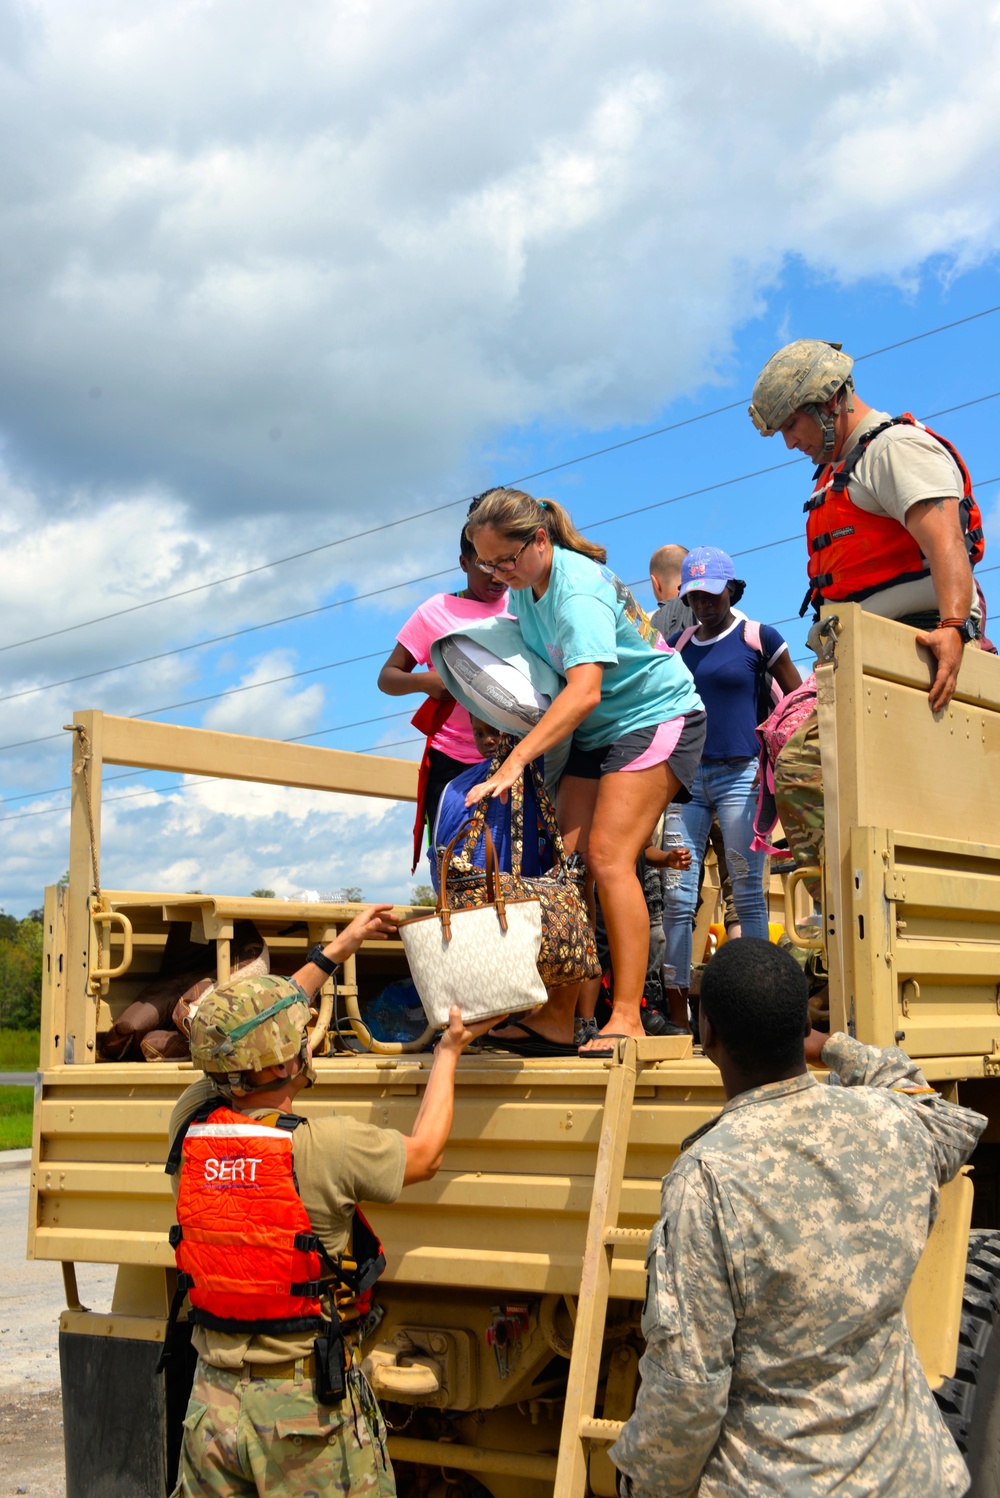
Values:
[(588, 616)]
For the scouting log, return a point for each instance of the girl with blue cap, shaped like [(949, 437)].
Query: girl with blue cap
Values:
[(730, 658)]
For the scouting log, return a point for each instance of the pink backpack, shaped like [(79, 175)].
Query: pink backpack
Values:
[(774, 733)]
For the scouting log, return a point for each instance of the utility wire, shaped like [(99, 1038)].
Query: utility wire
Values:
[(372, 655), (182, 785), (427, 577), (131, 774), (340, 603), (337, 604), (454, 503), (338, 728), (221, 639)]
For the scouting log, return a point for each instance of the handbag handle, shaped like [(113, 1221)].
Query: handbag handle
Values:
[(548, 814), (475, 827), (494, 893)]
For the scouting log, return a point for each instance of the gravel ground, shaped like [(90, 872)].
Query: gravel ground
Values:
[(31, 1298)]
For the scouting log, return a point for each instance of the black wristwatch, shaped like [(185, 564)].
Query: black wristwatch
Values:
[(318, 957), (966, 628)]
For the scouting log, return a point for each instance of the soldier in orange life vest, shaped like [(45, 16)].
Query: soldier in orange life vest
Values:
[(276, 1259), (891, 522)]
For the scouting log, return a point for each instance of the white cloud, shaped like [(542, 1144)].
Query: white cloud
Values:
[(234, 836), (269, 275), (274, 710), (333, 282)]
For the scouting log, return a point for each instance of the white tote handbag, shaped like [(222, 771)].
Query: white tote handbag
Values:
[(485, 960)]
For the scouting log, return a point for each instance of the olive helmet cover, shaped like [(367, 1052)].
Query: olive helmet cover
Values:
[(805, 373), (247, 1025)]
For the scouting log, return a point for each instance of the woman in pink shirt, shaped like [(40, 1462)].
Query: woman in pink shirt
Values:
[(451, 748)]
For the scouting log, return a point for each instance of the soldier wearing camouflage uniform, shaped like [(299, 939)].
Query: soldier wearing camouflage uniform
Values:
[(777, 1359), (806, 392), (256, 1423)]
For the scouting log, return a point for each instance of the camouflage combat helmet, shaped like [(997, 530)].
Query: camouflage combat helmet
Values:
[(803, 374), (247, 1025)]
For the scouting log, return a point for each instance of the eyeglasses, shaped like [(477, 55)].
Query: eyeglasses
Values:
[(504, 564)]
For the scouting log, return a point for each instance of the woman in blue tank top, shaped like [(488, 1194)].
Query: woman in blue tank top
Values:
[(729, 672), (636, 722)]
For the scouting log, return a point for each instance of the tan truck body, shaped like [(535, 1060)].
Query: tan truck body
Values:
[(551, 1180)]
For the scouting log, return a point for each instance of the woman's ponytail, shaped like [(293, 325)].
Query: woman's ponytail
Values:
[(517, 515)]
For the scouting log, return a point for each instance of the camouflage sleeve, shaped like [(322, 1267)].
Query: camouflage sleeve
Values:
[(689, 1322), (954, 1131)]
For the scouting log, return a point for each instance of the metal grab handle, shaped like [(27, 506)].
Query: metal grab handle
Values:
[(809, 871), (381, 1047), (105, 917)]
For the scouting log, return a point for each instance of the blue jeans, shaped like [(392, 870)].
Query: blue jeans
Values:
[(722, 787)]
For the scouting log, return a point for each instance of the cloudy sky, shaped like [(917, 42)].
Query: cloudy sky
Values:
[(273, 278)]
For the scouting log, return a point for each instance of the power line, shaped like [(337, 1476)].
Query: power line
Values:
[(338, 728), (325, 608), (902, 342), (372, 655), (427, 577), (221, 639), (454, 503), (184, 785), (340, 603)]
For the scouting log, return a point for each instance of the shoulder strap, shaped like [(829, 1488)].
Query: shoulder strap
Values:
[(198, 1115), (287, 1121), (751, 633), (684, 637), (848, 465)]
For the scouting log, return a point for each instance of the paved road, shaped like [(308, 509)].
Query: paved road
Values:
[(31, 1298), (31, 1292), (14, 1078)]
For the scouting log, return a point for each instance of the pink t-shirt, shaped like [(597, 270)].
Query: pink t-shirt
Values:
[(439, 616)]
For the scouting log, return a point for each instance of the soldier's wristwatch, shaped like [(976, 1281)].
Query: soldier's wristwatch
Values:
[(317, 956), (967, 631)]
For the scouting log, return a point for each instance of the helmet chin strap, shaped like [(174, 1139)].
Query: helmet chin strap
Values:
[(305, 1061), (827, 426), (827, 420), (242, 1089)]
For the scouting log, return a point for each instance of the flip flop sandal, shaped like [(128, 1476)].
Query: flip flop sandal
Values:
[(533, 1044), (605, 1052)]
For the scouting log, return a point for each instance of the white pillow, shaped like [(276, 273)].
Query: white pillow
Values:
[(497, 691)]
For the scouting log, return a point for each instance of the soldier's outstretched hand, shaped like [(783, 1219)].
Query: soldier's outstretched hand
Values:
[(376, 921), (458, 1035)]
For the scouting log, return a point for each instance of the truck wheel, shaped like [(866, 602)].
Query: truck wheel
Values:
[(970, 1402)]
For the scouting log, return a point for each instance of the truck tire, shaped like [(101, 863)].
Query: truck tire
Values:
[(970, 1402)]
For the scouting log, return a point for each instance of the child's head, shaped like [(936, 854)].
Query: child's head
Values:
[(486, 736)]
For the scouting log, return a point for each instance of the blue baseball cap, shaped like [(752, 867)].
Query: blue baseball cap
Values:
[(706, 570)]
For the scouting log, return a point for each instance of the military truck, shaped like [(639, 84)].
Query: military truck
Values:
[(506, 1354)]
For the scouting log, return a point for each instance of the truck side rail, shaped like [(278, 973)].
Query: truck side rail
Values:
[(912, 918)]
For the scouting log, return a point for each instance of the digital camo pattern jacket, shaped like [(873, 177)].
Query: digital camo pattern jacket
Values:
[(777, 1357)]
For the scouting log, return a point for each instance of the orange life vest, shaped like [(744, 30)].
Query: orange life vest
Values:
[(246, 1252), (853, 553), (243, 1240)]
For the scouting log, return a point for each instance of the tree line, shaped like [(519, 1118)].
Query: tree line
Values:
[(20, 971)]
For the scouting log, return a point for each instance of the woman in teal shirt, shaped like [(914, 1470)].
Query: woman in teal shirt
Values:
[(632, 709)]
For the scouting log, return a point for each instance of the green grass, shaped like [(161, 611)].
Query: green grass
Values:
[(16, 1104), (18, 1050)]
